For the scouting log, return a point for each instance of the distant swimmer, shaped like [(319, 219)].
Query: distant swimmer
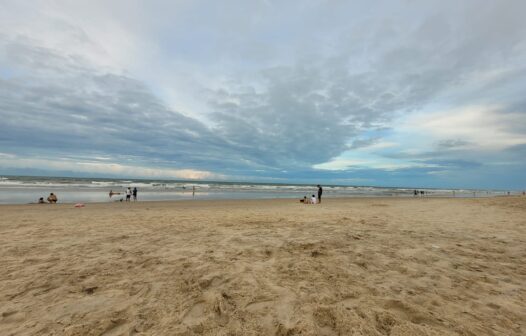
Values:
[(52, 198)]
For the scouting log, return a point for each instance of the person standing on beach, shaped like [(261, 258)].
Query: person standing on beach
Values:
[(128, 194), (320, 191), (135, 194)]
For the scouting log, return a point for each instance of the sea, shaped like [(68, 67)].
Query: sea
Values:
[(28, 189)]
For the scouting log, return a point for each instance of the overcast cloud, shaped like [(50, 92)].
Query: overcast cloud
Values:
[(391, 93)]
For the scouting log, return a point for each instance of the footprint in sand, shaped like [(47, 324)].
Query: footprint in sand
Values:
[(195, 315), (118, 327), (258, 306), (12, 316)]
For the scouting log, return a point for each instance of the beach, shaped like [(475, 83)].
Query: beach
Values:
[(349, 266)]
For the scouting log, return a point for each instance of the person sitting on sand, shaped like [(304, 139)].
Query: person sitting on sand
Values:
[(41, 200), (304, 200), (52, 198), (313, 199)]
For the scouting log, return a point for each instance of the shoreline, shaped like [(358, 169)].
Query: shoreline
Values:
[(29, 190), (360, 197)]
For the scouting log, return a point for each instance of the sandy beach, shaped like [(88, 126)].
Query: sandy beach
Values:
[(367, 266)]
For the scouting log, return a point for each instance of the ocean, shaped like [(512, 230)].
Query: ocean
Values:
[(28, 189)]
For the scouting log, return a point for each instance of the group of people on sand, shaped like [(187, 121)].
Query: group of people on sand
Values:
[(52, 198), (418, 192), (313, 199), (129, 193)]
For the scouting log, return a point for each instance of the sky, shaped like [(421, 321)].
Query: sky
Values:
[(379, 93)]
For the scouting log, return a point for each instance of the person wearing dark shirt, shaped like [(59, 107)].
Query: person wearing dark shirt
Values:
[(135, 194), (320, 191)]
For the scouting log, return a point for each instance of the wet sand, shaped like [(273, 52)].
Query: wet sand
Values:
[(369, 266)]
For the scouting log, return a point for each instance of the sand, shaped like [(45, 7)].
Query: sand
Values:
[(377, 266)]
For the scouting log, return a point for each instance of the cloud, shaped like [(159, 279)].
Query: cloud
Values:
[(482, 127), (349, 164), (108, 168), (453, 143), (61, 105), (266, 90)]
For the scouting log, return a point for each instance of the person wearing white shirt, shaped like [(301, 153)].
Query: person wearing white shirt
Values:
[(313, 200)]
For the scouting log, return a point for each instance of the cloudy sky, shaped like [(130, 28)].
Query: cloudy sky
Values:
[(388, 93)]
